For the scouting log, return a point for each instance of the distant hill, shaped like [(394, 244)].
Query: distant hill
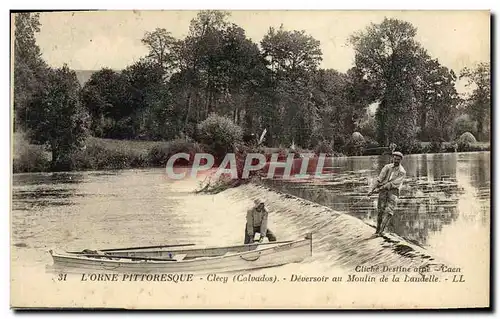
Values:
[(84, 75)]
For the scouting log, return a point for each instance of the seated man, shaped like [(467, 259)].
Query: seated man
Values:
[(257, 222)]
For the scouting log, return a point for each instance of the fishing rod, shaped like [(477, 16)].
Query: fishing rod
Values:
[(376, 189)]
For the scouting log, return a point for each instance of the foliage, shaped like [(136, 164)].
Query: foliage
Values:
[(159, 154), (215, 84), (394, 63), (291, 52), (367, 126), (462, 124), (56, 118), (479, 102), (219, 134), (358, 138), (161, 45), (438, 100), (467, 137), (324, 147), (98, 155), (30, 70), (28, 157)]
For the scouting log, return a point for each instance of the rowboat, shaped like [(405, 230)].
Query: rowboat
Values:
[(181, 260)]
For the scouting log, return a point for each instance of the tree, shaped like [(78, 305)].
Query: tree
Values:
[(439, 99), (148, 100), (106, 96), (56, 117), (196, 58), (390, 59), (219, 71), (30, 70), (293, 58), (292, 52), (161, 45), (479, 101)]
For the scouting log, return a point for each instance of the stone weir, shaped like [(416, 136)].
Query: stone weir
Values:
[(338, 238)]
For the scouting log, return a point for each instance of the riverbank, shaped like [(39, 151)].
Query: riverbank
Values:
[(109, 154)]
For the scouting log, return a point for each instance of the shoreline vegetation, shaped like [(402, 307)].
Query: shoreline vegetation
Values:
[(217, 91), (112, 154)]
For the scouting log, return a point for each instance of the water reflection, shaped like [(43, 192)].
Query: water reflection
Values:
[(429, 199), (34, 191)]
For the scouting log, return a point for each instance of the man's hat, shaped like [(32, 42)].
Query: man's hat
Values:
[(258, 202), (397, 154)]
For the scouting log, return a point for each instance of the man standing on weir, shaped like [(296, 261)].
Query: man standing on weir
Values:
[(388, 184)]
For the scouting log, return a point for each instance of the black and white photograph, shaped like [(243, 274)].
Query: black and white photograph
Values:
[(245, 159)]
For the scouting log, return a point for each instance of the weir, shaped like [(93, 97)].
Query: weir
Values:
[(339, 239)]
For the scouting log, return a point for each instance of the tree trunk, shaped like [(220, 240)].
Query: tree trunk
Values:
[(187, 112), (480, 129), (423, 123), (55, 156)]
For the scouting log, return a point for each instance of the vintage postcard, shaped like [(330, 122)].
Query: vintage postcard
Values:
[(250, 159)]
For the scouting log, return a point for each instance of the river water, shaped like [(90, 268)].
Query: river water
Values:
[(444, 208), (443, 195)]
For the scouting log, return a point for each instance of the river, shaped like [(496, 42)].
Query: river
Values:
[(444, 201), (444, 208)]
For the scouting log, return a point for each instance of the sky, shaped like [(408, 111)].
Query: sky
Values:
[(93, 40)]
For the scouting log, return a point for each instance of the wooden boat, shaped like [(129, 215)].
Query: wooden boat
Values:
[(182, 260)]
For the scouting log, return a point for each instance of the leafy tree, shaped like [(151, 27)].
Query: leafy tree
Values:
[(196, 57), (293, 58), (390, 59), (149, 100), (161, 45), (219, 71), (30, 70), (479, 101), (56, 117), (291, 52), (105, 96), (220, 134), (439, 102), (463, 124)]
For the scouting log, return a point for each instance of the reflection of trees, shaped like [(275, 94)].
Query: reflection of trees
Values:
[(428, 199), (481, 171), (418, 226), (36, 191)]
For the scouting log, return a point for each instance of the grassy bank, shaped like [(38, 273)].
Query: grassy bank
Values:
[(100, 154), (106, 154)]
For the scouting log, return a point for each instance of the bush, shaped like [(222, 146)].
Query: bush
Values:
[(368, 126), (357, 138), (436, 147), (220, 134), (467, 137), (371, 143), (466, 142), (464, 124), (98, 156), (159, 154), (355, 144), (31, 158), (324, 147)]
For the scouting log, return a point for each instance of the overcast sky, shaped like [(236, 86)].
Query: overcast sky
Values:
[(92, 40)]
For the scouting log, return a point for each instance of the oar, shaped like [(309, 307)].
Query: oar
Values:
[(132, 248), (147, 247), (128, 257), (270, 243)]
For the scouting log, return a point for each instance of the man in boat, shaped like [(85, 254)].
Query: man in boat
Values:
[(388, 184), (257, 223)]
